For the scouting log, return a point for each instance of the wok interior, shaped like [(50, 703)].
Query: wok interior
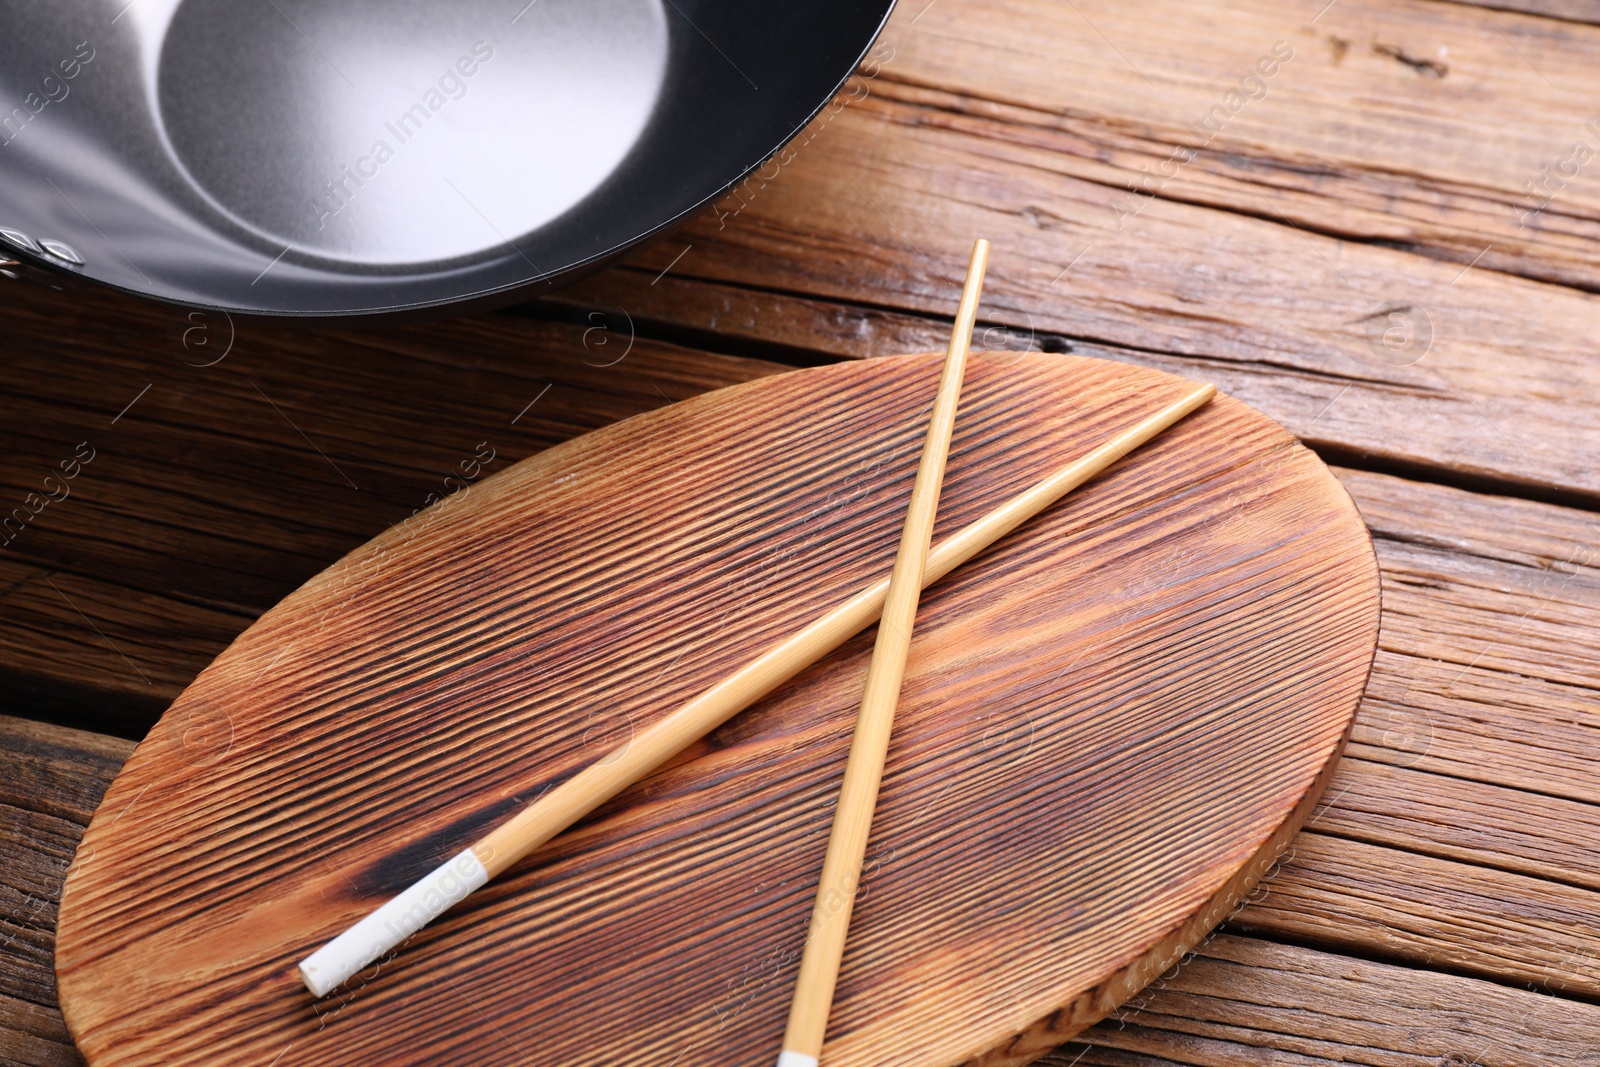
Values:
[(409, 133)]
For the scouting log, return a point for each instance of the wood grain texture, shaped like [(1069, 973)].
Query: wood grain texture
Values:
[(1235, 1000), (1202, 708), (1434, 154), (205, 504), (51, 780), (1442, 913), (1275, 253), (1311, 324), (1240, 1001), (1470, 769), (1570, 10), (1474, 744)]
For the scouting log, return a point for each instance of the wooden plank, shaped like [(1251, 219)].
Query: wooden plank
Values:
[(1487, 669), (1479, 823), (1435, 139), (122, 654), (32, 1035), (788, 327), (1472, 777), (297, 443), (1242, 1001), (876, 208), (1432, 912), (51, 780), (219, 489), (1292, 313)]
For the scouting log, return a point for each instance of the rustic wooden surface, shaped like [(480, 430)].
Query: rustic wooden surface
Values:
[(1131, 749), (1444, 907)]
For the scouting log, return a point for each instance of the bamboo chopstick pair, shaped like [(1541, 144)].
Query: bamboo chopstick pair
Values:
[(895, 597)]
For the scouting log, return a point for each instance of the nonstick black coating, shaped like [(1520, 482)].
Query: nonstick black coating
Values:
[(322, 158)]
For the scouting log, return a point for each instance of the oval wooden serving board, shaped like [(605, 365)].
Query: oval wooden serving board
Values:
[(1111, 723)]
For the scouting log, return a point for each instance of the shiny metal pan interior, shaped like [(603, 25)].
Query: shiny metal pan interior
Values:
[(326, 159)]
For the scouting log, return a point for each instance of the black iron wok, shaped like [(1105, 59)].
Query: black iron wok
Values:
[(325, 159)]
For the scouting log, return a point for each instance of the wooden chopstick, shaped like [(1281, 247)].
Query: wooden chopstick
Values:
[(858, 796), (386, 927)]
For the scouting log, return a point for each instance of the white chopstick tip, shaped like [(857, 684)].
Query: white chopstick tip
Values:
[(335, 963), (790, 1058), (311, 975)]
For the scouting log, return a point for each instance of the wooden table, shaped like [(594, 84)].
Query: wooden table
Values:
[(1375, 222)]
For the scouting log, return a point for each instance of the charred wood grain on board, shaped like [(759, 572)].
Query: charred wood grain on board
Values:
[(317, 742)]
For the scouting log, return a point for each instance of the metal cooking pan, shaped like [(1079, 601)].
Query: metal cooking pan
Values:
[(324, 158)]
